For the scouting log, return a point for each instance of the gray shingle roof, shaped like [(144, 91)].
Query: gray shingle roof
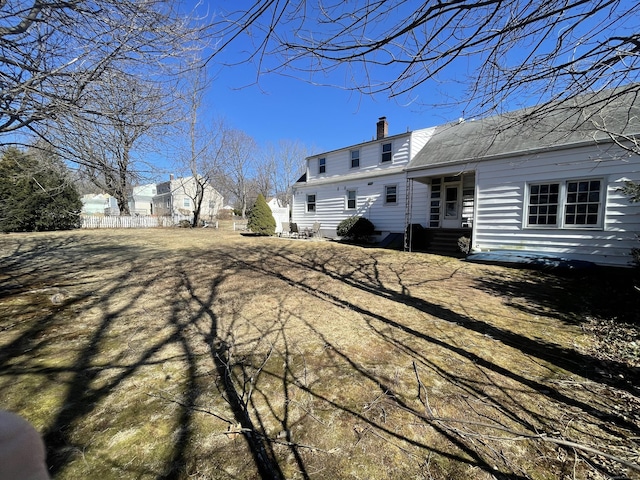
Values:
[(587, 118)]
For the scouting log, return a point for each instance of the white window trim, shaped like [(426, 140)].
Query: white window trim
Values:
[(346, 199), (382, 153), (306, 203), (321, 165), (351, 158), (562, 202), (385, 194)]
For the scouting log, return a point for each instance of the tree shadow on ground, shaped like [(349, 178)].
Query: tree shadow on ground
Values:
[(599, 292), (567, 359), (266, 383), (89, 375)]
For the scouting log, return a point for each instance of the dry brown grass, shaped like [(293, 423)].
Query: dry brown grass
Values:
[(207, 354)]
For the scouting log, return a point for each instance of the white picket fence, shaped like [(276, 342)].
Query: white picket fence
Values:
[(133, 221)]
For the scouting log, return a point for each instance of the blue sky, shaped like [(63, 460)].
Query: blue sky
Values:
[(327, 118), (321, 117)]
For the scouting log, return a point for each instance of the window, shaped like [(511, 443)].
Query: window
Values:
[(572, 204), (351, 199), (322, 165), (543, 204), (386, 152), (311, 203), (451, 202), (390, 194), (186, 202), (582, 208), (355, 158), (436, 203)]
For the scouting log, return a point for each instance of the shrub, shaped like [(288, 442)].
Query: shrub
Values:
[(632, 190), (36, 194), (225, 214), (464, 244), (355, 228), (261, 221)]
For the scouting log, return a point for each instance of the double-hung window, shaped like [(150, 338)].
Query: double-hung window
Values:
[(311, 203), (322, 165), (351, 199), (569, 204), (391, 194), (186, 202), (355, 158), (386, 152)]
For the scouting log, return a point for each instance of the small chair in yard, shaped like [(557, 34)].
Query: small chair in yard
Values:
[(286, 230), (294, 230), (315, 230)]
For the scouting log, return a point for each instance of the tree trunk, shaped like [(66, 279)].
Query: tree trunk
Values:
[(123, 204)]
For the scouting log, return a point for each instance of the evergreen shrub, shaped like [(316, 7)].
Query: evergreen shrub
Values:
[(355, 228), (261, 221), (36, 194)]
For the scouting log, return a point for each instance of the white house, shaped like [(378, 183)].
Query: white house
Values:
[(99, 204), (537, 180), (176, 197), (367, 179), (141, 200)]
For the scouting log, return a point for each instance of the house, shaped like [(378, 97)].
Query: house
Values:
[(141, 200), (539, 180), (367, 179), (98, 204), (280, 213), (176, 197)]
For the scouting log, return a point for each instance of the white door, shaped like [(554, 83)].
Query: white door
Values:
[(451, 205)]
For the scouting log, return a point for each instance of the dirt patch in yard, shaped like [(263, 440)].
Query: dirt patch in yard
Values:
[(179, 353)]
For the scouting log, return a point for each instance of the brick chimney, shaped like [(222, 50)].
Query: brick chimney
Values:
[(382, 127)]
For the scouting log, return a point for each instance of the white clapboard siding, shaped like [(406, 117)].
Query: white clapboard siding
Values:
[(331, 203), (338, 162), (500, 204), (369, 181)]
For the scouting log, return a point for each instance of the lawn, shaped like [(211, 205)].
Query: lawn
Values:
[(195, 354)]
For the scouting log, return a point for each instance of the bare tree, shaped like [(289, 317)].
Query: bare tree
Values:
[(120, 115), (239, 172), (204, 159), (284, 163), (53, 51), (508, 49), (263, 181)]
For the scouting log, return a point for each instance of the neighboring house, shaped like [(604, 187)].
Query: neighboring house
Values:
[(141, 200), (273, 202), (99, 204), (176, 197), (534, 183), (280, 213)]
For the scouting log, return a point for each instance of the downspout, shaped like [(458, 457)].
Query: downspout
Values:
[(408, 232)]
